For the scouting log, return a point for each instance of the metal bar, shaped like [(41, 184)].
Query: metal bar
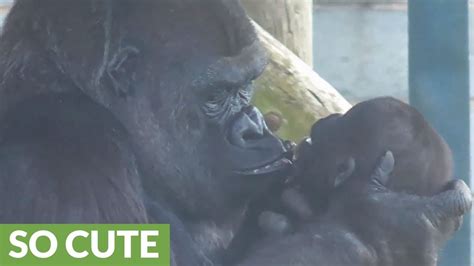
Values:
[(439, 88)]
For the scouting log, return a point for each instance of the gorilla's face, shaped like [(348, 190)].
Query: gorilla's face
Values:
[(189, 76)]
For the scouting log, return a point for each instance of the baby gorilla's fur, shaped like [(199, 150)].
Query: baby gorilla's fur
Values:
[(335, 168), (344, 150)]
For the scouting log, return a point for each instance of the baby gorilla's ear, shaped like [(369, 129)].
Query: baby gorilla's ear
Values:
[(344, 171)]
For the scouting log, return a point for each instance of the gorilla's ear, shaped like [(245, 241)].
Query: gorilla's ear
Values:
[(344, 171), (121, 71)]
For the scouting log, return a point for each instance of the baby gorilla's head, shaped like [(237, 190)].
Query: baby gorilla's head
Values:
[(344, 150)]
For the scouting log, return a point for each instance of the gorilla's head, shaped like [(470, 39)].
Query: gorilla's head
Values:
[(177, 73), (345, 149)]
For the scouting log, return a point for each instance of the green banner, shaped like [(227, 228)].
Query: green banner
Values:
[(84, 245)]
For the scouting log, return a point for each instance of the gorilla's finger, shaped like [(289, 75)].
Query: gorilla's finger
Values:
[(274, 223), (273, 120), (452, 203), (349, 168), (455, 184), (457, 223), (296, 203), (384, 168)]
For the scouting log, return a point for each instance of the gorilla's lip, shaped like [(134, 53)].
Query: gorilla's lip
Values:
[(280, 164)]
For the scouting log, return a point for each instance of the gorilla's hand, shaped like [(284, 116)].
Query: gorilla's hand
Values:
[(400, 229), (437, 217)]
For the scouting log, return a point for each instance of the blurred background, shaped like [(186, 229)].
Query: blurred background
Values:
[(367, 40), (361, 47)]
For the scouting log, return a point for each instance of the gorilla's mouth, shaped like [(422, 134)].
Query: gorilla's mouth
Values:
[(282, 164)]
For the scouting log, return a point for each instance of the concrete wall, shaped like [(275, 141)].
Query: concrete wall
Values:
[(362, 52)]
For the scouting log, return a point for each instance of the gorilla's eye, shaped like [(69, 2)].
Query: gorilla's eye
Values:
[(224, 101)]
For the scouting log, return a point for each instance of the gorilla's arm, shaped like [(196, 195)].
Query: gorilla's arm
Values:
[(393, 229), (321, 245), (183, 250), (66, 160)]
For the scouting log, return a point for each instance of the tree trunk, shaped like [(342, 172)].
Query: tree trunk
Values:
[(289, 21), (290, 88)]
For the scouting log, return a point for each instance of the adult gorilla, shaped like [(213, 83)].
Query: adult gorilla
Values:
[(125, 111)]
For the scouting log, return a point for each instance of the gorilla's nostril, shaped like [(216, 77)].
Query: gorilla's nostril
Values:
[(256, 116), (252, 135)]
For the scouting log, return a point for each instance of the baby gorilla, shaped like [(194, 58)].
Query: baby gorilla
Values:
[(335, 174), (343, 146)]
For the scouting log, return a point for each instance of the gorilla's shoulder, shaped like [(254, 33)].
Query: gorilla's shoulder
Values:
[(64, 158)]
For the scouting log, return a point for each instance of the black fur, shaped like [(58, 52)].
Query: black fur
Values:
[(424, 163), (354, 227), (133, 111)]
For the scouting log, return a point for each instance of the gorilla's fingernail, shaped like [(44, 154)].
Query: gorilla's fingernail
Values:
[(348, 169), (388, 162)]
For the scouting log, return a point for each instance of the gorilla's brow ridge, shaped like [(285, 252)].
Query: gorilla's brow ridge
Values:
[(236, 70)]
